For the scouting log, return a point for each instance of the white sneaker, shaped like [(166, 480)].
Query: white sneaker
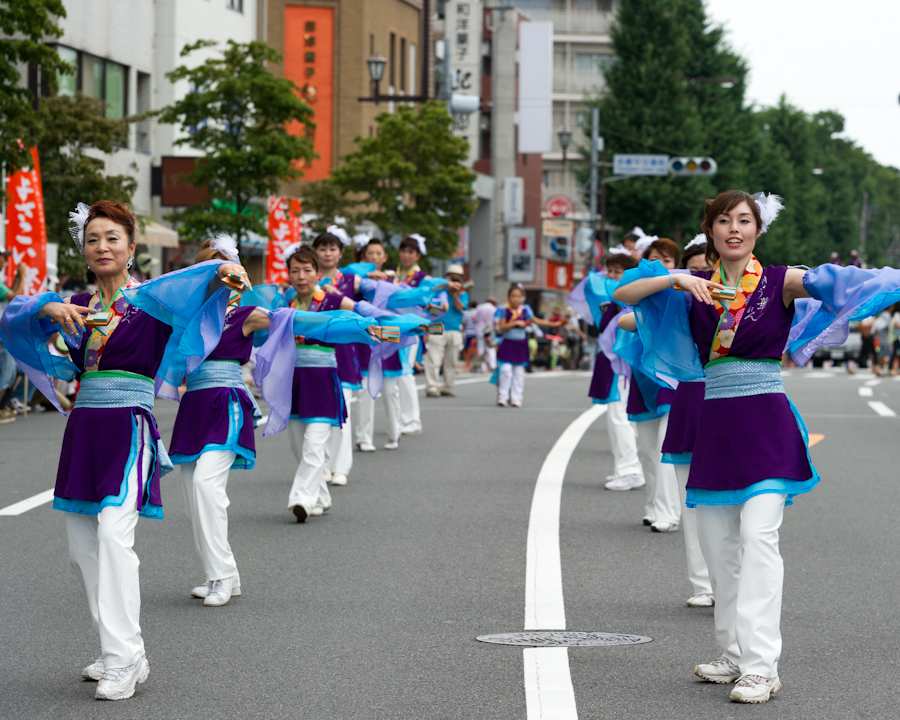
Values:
[(119, 683), (201, 591), (701, 600), (648, 521), (94, 671), (300, 512), (721, 670), (367, 447), (319, 510), (392, 445), (412, 429), (503, 403), (327, 475), (755, 689), (338, 479), (664, 527), (219, 592), (626, 482)]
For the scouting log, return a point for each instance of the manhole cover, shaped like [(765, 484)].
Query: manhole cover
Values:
[(562, 638)]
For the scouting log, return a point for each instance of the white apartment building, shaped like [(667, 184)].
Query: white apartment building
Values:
[(581, 45)]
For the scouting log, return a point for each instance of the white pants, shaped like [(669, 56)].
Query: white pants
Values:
[(339, 449), (622, 434), (740, 544), (206, 504), (698, 573), (511, 383), (365, 426), (488, 353), (101, 551), (442, 350), (662, 503), (308, 445), (410, 419)]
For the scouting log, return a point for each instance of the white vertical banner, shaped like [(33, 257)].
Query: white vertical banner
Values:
[(521, 254), (463, 28), (513, 200), (535, 86)]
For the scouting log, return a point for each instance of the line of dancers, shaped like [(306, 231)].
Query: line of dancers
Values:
[(131, 342), (689, 364)]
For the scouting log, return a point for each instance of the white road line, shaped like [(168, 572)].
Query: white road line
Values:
[(873, 383), (881, 409), (865, 391), (817, 374), (549, 694), (28, 504)]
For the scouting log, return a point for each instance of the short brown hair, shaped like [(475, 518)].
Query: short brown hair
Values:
[(723, 203), (119, 213), (620, 260), (207, 253), (410, 242), (327, 238), (303, 254), (665, 246), (692, 252), (362, 251)]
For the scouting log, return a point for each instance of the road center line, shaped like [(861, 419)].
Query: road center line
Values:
[(548, 682), (28, 503), (881, 409)]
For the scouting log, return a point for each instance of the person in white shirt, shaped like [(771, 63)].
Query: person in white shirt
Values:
[(484, 324)]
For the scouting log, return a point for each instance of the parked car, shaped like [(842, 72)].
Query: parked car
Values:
[(839, 354)]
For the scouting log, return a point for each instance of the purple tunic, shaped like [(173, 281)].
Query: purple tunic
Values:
[(742, 441), (515, 352), (637, 404), (204, 415), (348, 354), (97, 441), (392, 365), (684, 417), (316, 391), (603, 378)]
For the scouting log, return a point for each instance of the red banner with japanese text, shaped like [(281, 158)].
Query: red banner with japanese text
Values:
[(26, 228), (284, 230)]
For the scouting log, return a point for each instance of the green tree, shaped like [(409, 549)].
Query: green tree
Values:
[(65, 128), (25, 25), (408, 178), (238, 116)]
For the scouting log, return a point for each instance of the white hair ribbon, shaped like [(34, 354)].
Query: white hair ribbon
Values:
[(227, 245), (641, 245), (637, 231), (340, 234), (79, 218), (420, 241), (619, 250), (360, 240), (698, 240), (290, 250), (769, 207)]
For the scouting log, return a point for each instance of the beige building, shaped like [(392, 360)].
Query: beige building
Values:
[(325, 44)]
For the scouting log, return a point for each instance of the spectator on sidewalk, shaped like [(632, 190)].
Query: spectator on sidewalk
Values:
[(7, 364), (443, 350), (484, 328)]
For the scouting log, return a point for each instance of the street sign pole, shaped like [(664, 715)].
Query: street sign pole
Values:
[(602, 194), (595, 134)]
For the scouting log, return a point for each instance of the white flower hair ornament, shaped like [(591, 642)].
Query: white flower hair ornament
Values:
[(698, 240), (290, 250), (79, 218), (420, 241), (641, 245), (227, 245), (619, 250), (360, 240), (340, 234), (769, 207)]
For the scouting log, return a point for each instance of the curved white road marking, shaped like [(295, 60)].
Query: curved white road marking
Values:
[(548, 683)]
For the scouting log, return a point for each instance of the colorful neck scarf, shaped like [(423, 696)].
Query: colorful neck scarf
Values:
[(335, 279), (411, 273), (731, 311), (96, 344)]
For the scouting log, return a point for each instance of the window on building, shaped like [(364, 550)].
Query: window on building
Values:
[(143, 105), (403, 65), (68, 82), (392, 73), (411, 83), (592, 5), (114, 90), (236, 5), (591, 63)]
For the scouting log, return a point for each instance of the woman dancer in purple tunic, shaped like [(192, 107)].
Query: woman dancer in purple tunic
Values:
[(750, 455), (512, 357), (112, 457)]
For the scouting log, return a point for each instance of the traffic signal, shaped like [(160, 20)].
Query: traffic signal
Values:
[(692, 166)]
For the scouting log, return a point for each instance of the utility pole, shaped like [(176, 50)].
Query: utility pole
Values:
[(602, 191), (595, 134)]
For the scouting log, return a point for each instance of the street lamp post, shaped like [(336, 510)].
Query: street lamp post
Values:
[(376, 65), (565, 139)]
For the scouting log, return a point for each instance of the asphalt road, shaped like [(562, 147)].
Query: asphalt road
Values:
[(372, 610)]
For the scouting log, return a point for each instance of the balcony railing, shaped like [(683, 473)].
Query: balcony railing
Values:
[(575, 82), (574, 22)]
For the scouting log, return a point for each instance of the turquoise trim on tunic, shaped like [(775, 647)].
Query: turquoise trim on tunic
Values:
[(785, 486), (246, 459), (650, 415), (677, 458), (327, 420), (612, 397), (89, 507), (351, 386)]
